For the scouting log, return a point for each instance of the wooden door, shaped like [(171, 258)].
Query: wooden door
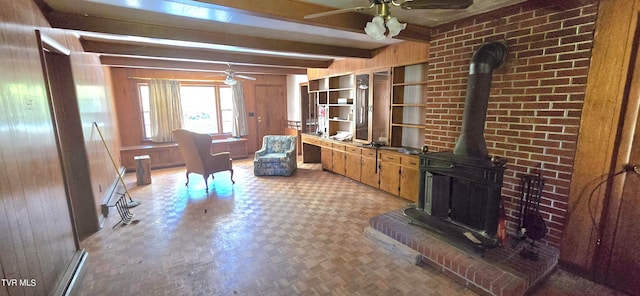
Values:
[(271, 110), (390, 177), (369, 173), (338, 159), (409, 183), (353, 163), (326, 156), (624, 266), (619, 262)]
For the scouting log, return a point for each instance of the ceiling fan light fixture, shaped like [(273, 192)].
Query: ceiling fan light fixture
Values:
[(394, 26), (376, 28), (230, 81)]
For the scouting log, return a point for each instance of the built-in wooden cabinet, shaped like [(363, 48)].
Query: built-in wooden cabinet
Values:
[(408, 105), (388, 170), (334, 99), (386, 106)]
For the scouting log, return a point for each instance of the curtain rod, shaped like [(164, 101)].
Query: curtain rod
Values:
[(186, 80)]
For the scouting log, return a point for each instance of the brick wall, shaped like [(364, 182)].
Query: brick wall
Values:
[(536, 97)]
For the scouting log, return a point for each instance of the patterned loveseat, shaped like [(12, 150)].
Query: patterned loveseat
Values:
[(277, 157)]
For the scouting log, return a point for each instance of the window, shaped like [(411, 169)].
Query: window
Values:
[(207, 109)]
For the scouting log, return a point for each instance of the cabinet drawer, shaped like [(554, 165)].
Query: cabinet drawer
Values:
[(353, 150), (409, 161), (390, 157), (325, 143), (311, 140), (369, 152), (314, 141), (340, 147)]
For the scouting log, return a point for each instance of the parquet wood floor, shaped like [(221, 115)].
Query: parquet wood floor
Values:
[(298, 235)]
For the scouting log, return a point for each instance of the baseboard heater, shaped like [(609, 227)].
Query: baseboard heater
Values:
[(69, 285), (107, 200)]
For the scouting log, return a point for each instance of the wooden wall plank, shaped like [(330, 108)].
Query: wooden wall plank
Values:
[(607, 79), (404, 53), (36, 236)]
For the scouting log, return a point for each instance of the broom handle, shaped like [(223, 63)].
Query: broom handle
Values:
[(115, 167)]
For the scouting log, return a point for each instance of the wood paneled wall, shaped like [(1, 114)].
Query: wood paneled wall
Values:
[(36, 233), (128, 106), (404, 53)]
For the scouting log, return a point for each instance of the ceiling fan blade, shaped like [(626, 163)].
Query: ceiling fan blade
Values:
[(245, 77), (436, 4), (338, 11)]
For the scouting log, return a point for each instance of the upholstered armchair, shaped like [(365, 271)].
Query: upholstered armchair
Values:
[(196, 153), (277, 157)]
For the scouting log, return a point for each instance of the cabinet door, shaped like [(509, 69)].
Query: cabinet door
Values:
[(338, 161), (390, 177), (381, 98), (409, 183), (353, 166), (362, 108), (326, 158), (369, 173)]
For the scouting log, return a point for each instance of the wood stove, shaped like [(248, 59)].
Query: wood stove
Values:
[(460, 195), (460, 190)]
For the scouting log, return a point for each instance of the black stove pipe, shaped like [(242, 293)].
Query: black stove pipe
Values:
[(488, 57)]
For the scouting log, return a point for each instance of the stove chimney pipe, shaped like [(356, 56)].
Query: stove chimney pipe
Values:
[(488, 57)]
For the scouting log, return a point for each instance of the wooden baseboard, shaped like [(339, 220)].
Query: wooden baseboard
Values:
[(69, 284), (576, 269)]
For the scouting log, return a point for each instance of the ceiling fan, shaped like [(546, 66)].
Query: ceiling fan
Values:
[(230, 76), (376, 28)]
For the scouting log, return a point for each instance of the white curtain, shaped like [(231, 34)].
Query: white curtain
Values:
[(165, 109), (239, 115)]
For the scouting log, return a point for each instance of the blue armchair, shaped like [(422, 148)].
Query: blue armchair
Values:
[(277, 157)]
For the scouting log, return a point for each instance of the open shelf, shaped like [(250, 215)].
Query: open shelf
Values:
[(334, 98), (408, 107)]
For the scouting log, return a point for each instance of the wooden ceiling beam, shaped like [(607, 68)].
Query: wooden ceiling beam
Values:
[(294, 11), (128, 28), (152, 63), (137, 49)]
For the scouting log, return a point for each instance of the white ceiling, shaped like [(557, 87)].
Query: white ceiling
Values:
[(239, 32)]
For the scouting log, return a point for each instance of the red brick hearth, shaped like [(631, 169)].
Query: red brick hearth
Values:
[(501, 271)]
